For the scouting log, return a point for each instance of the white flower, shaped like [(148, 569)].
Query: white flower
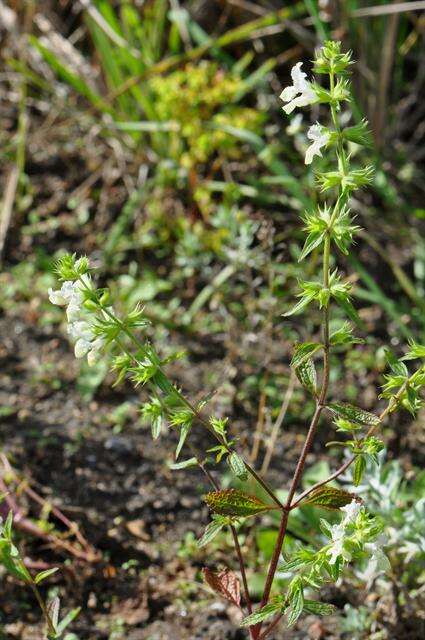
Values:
[(80, 329), (378, 561), (351, 511), (319, 139), (95, 348), (300, 93), (337, 547), (64, 295), (56, 297), (82, 347)]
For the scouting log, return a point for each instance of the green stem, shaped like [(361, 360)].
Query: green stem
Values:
[(51, 631), (178, 393)]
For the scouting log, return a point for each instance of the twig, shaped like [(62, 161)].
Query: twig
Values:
[(278, 423), (389, 408), (6, 212)]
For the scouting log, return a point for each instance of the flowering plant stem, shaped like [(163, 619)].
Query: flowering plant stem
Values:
[(358, 534)]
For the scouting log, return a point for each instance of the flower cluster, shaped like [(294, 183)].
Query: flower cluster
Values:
[(357, 533), (339, 532), (72, 296), (300, 93)]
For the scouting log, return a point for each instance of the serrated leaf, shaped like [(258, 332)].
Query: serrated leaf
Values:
[(359, 468), (306, 374), (325, 527), (354, 414), (297, 605), (397, 367), (237, 465), (259, 616), (185, 464), (344, 336), (43, 575), (416, 351), (305, 300), (225, 583), (329, 497), (319, 608), (291, 565), (304, 351), (231, 502), (213, 529)]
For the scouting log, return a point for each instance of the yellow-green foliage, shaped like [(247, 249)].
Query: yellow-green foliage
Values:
[(201, 100)]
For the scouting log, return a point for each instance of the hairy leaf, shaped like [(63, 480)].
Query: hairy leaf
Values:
[(306, 374), (359, 467), (303, 352), (231, 502), (237, 465), (225, 583), (319, 608), (263, 614), (305, 300), (213, 528), (296, 598), (354, 414), (329, 497)]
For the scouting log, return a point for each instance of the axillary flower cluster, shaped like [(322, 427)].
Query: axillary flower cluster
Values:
[(72, 296)]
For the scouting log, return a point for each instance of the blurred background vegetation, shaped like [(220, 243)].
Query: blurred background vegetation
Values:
[(148, 134)]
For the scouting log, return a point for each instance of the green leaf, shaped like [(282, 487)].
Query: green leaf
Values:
[(156, 427), (306, 374), (66, 621), (152, 411), (319, 608), (329, 497), (345, 304), (344, 335), (213, 529), (43, 575), (237, 465), (185, 464), (263, 614), (397, 367), (313, 240), (416, 351), (304, 351), (184, 430), (11, 560), (7, 527), (231, 502), (305, 300), (346, 426), (354, 414), (359, 468), (296, 603)]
